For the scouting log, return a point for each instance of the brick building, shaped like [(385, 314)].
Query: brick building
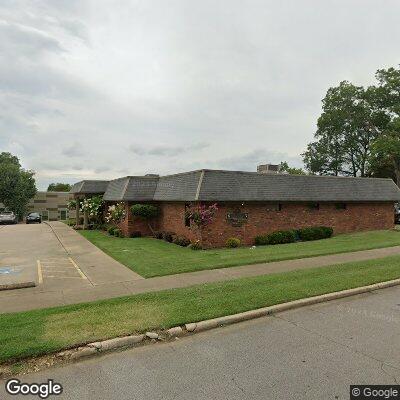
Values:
[(252, 203)]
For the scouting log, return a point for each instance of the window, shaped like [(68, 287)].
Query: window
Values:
[(63, 215), (274, 207), (340, 206), (187, 219), (313, 206)]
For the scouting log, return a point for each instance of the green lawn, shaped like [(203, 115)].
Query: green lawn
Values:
[(151, 257), (44, 331)]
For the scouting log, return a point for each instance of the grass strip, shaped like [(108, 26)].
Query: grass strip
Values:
[(151, 257), (44, 331)]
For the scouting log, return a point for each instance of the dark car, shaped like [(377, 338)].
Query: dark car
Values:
[(397, 213), (31, 218), (7, 217)]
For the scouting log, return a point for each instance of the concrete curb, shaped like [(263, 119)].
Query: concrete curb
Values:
[(194, 327), (261, 312), (20, 285)]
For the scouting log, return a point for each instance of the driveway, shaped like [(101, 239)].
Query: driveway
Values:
[(35, 253), (315, 352)]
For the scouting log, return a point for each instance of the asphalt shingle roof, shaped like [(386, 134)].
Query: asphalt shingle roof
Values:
[(131, 188), (219, 185), (89, 186), (251, 186)]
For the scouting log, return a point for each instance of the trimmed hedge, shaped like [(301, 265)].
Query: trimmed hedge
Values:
[(232, 242), (181, 241), (280, 237), (195, 245), (168, 236), (261, 240), (304, 234), (315, 233)]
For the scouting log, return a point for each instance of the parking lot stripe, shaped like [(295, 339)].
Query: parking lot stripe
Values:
[(77, 268), (39, 269)]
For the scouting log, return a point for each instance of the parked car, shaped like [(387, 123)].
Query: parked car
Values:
[(7, 217), (397, 213), (33, 217)]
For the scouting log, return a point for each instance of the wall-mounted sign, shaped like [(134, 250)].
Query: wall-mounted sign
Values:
[(237, 217)]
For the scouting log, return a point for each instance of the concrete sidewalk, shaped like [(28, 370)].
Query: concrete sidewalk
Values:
[(85, 254)]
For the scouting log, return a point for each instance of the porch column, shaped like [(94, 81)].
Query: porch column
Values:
[(77, 212), (85, 219)]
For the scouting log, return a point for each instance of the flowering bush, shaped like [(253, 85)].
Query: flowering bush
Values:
[(116, 213), (201, 215), (93, 206), (71, 205)]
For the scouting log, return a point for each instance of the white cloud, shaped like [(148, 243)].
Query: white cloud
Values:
[(101, 89)]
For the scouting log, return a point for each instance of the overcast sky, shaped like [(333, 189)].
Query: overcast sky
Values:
[(102, 89)]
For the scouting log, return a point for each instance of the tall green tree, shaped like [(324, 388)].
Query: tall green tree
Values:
[(59, 187), (386, 149), (17, 185), (350, 122)]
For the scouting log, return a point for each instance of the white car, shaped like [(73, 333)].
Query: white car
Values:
[(7, 217)]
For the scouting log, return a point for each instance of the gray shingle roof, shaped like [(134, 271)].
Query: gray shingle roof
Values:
[(216, 185), (89, 186), (178, 187), (132, 188), (251, 186)]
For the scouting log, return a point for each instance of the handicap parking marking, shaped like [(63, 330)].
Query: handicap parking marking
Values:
[(8, 270), (61, 268)]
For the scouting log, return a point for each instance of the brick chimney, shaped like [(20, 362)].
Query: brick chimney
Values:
[(268, 169)]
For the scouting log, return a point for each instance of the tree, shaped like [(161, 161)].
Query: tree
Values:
[(351, 120), (386, 149), (59, 187), (147, 212), (284, 167), (17, 185)]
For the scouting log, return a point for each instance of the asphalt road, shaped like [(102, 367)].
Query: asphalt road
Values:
[(311, 353)]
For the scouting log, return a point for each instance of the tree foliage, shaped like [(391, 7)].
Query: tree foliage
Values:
[(17, 185), (350, 122), (59, 187), (284, 167)]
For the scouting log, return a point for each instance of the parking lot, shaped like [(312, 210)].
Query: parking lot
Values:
[(35, 254)]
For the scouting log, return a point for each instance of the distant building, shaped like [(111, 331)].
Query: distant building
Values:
[(52, 206)]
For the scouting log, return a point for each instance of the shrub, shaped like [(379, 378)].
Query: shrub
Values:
[(115, 213), (281, 237), (158, 235), (315, 233), (111, 230), (117, 232), (168, 236), (261, 240), (181, 241), (195, 245), (146, 211), (232, 242), (136, 234)]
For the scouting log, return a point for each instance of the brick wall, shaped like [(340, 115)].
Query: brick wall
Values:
[(172, 219), (265, 218)]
